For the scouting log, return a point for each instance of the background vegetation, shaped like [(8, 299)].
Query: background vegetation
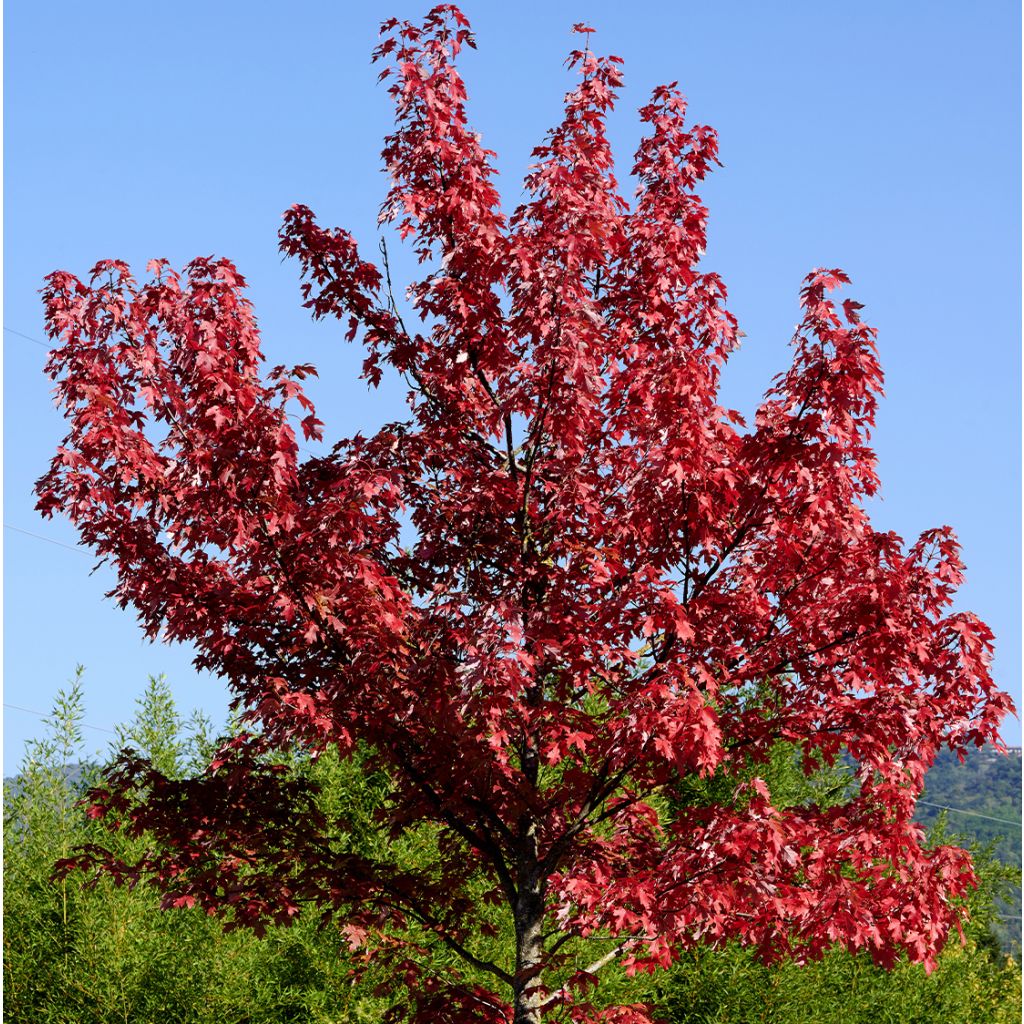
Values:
[(81, 954)]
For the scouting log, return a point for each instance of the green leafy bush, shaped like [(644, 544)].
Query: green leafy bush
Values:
[(975, 983), (77, 953)]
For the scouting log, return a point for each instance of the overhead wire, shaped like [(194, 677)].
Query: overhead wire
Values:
[(40, 714), (974, 814), (926, 803), (49, 540), (35, 341)]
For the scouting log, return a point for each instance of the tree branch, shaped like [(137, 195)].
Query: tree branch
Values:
[(592, 968)]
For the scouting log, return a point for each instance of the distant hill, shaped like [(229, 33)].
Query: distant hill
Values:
[(983, 801), (78, 776), (984, 797)]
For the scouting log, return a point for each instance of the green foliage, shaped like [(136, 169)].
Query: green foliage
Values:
[(81, 954), (97, 955), (970, 986), (988, 787), (975, 982), (176, 747), (986, 792)]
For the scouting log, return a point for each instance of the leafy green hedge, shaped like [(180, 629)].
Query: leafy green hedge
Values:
[(81, 954)]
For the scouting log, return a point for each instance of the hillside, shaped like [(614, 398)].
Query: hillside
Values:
[(986, 793), (983, 797)]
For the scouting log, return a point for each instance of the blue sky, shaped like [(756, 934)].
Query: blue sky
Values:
[(882, 138)]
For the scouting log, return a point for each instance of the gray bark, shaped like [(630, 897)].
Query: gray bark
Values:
[(529, 921)]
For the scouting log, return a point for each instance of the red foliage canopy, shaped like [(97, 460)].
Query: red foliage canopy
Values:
[(614, 582)]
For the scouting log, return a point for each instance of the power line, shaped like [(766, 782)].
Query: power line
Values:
[(35, 341), (49, 540), (974, 814), (40, 714)]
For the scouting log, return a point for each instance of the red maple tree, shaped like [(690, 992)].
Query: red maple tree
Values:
[(614, 583)]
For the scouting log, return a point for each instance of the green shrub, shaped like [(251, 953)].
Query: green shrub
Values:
[(76, 953)]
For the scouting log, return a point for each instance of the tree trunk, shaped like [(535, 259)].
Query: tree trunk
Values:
[(529, 920)]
